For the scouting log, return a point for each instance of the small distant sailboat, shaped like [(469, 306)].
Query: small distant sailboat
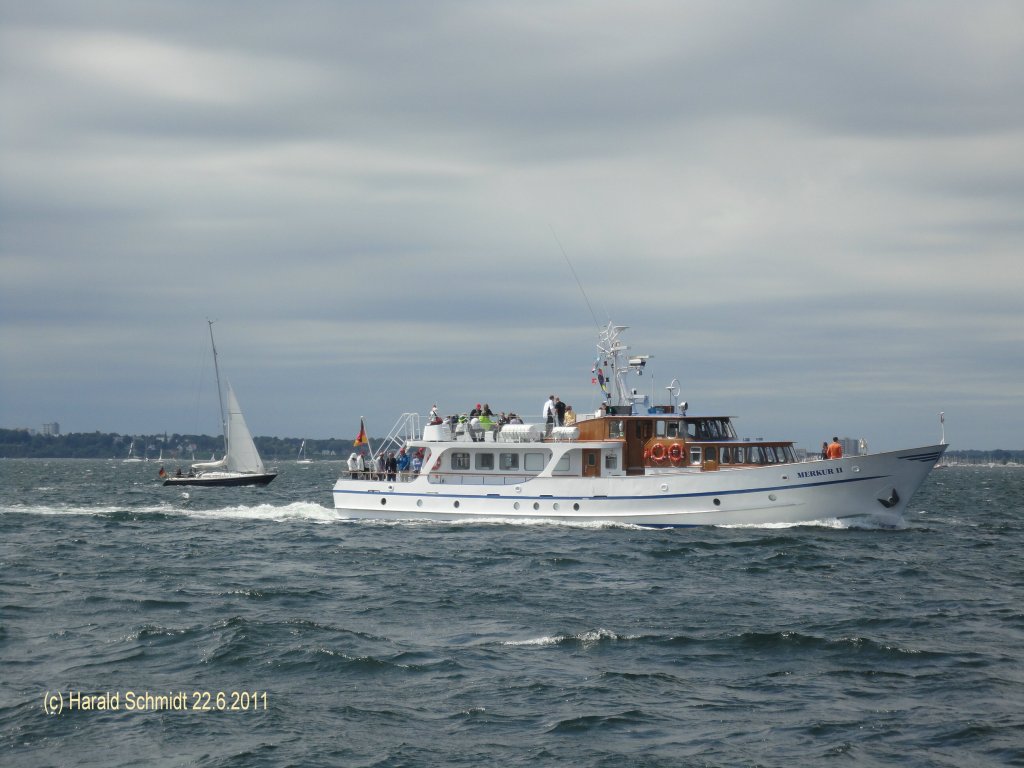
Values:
[(303, 459), (241, 464), (131, 458)]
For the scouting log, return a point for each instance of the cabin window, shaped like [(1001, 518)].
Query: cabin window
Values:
[(534, 462), (460, 461), (485, 461), (659, 428), (691, 430), (611, 461), (508, 461), (615, 428), (672, 429), (563, 464), (695, 452), (591, 459), (725, 456)]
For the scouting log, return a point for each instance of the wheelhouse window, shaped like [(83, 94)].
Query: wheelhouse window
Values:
[(615, 428), (710, 429), (508, 462), (460, 461), (669, 429), (485, 461)]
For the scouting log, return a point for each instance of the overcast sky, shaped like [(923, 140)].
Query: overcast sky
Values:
[(810, 213)]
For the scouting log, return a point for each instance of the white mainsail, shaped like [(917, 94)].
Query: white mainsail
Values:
[(242, 454)]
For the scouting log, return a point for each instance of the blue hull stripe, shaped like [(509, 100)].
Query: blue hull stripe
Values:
[(931, 456)]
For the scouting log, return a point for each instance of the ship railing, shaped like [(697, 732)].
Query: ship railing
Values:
[(406, 428)]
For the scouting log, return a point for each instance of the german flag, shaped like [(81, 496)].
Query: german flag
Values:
[(361, 438)]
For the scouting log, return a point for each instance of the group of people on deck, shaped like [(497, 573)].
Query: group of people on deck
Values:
[(557, 414), (477, 423), (387, 466), (833, 450)]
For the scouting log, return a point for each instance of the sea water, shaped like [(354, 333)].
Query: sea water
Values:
[(254, 627)]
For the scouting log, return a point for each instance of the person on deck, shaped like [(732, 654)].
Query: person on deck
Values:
[(548, 414), (835, 449)]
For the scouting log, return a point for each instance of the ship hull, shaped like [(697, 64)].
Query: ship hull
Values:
[(869, 489), (223, 479)]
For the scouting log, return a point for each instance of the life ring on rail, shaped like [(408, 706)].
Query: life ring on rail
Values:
[(675, 453), (658, 452)]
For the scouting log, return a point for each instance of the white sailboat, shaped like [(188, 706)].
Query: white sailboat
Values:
[(241, 464), (131, 458), (303, 459)]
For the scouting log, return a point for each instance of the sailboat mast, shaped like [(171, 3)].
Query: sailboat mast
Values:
[(220, 395)]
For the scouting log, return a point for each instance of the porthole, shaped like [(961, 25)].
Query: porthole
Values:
[(536, 505), (516, 505), (383, 502), (772, 497), (456, 505), (419, 502), (576, 507), (664, 487), (555, 506), (855, 469), (718, 502)]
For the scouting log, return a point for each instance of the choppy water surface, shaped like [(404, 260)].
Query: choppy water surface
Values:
[(431, 644)]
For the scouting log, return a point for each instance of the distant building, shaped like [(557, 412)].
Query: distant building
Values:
[(53, 428)]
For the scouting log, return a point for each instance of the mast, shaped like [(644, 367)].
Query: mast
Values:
[(220, 396), (612, 351)]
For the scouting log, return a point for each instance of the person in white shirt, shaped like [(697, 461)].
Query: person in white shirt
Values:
[(549, 413)]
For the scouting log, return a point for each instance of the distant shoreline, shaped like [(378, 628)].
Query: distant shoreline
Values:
[(22, 444)]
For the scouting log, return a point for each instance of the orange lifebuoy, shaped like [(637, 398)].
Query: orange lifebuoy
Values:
[(658, 452), (675, 452)]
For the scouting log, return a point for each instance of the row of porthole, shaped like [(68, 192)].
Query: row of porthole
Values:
[(536, 505), (555, 506)]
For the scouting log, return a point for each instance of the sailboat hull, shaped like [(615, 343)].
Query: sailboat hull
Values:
[(223, 479)]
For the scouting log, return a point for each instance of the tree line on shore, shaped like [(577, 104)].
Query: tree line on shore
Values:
[(23, 444)]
